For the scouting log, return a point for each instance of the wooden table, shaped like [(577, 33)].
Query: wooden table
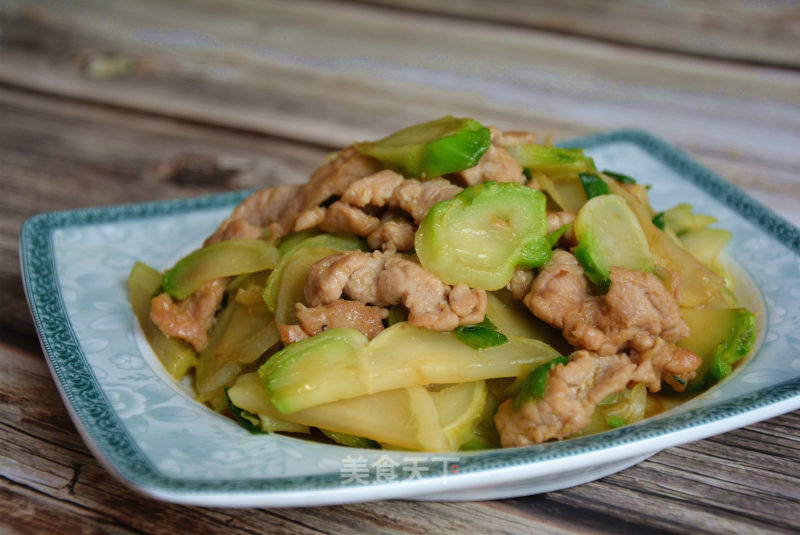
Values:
[(110, 102)]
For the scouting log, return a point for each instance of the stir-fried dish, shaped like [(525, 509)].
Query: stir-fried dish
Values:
[(450, 286)]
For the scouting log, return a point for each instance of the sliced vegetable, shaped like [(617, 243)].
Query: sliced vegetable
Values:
[(221, 259), (249, 421), (619, 177), (480, 335), (554, 236), (294, 243), (460, 408), (340, 363), (720, 337), (680, 219), (176, 355), (247, 394), (609, 235), (705, 244), (536, 383), (293, 282), (485, 435), (241, 334), (483, 234), (699, 283), (554, 162), (446, 145), (658, 220), (352, 441), (593, 185)]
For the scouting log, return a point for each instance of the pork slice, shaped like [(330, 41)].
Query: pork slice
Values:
[(390, 279), (496, 164), (341, 313), (417, 197), (341, 217), (329, 180), (392, 236), (507, 138), (572, 393), (189, 319), (636, 311), (375, 189), (254, 213), (665, 362), (520, 283)]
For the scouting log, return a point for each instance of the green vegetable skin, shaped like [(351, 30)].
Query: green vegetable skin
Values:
[(339, 364), (221, 259), (720, 338), (609, 235), (593, 185), (176, 356), (480, 335), (446, 145), (536, 383), (552, 161), (483, 234), (291, 245)]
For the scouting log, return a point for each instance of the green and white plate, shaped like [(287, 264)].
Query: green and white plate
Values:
[(149, 433)]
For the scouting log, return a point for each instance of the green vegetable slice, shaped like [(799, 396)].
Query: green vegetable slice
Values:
[(353, 441), (249, 421), (619, 177), (480, 335), (291, 246), (720, 337), (221, 259), (536, 383), (593, 185), (680, 219), (610, 235), (552, 161), (340, 363), (483, 234), (658, 220), (554, 236), (176, 355), (445, 145)]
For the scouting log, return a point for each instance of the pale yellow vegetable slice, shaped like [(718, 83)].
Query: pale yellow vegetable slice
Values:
[(240, 336), (293, 282), (248, 394), (404, 417), (460, 408), (341, 364), (699, 283)]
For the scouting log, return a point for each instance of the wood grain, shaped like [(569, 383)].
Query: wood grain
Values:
[(300, 70), (759, 32)]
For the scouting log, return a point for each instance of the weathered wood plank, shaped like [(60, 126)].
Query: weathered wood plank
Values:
[(316, 72), (761, 31), (56, 155)]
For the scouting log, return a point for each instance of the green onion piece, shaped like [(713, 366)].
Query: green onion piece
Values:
[(615, 421), (679, 380), (536, 383), (527, 172), (246, 419), (619, 177), (554, 236), (481, 335), (593, 185), (658, 220)]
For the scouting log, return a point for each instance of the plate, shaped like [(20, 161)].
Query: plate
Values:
[(146, 430)]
